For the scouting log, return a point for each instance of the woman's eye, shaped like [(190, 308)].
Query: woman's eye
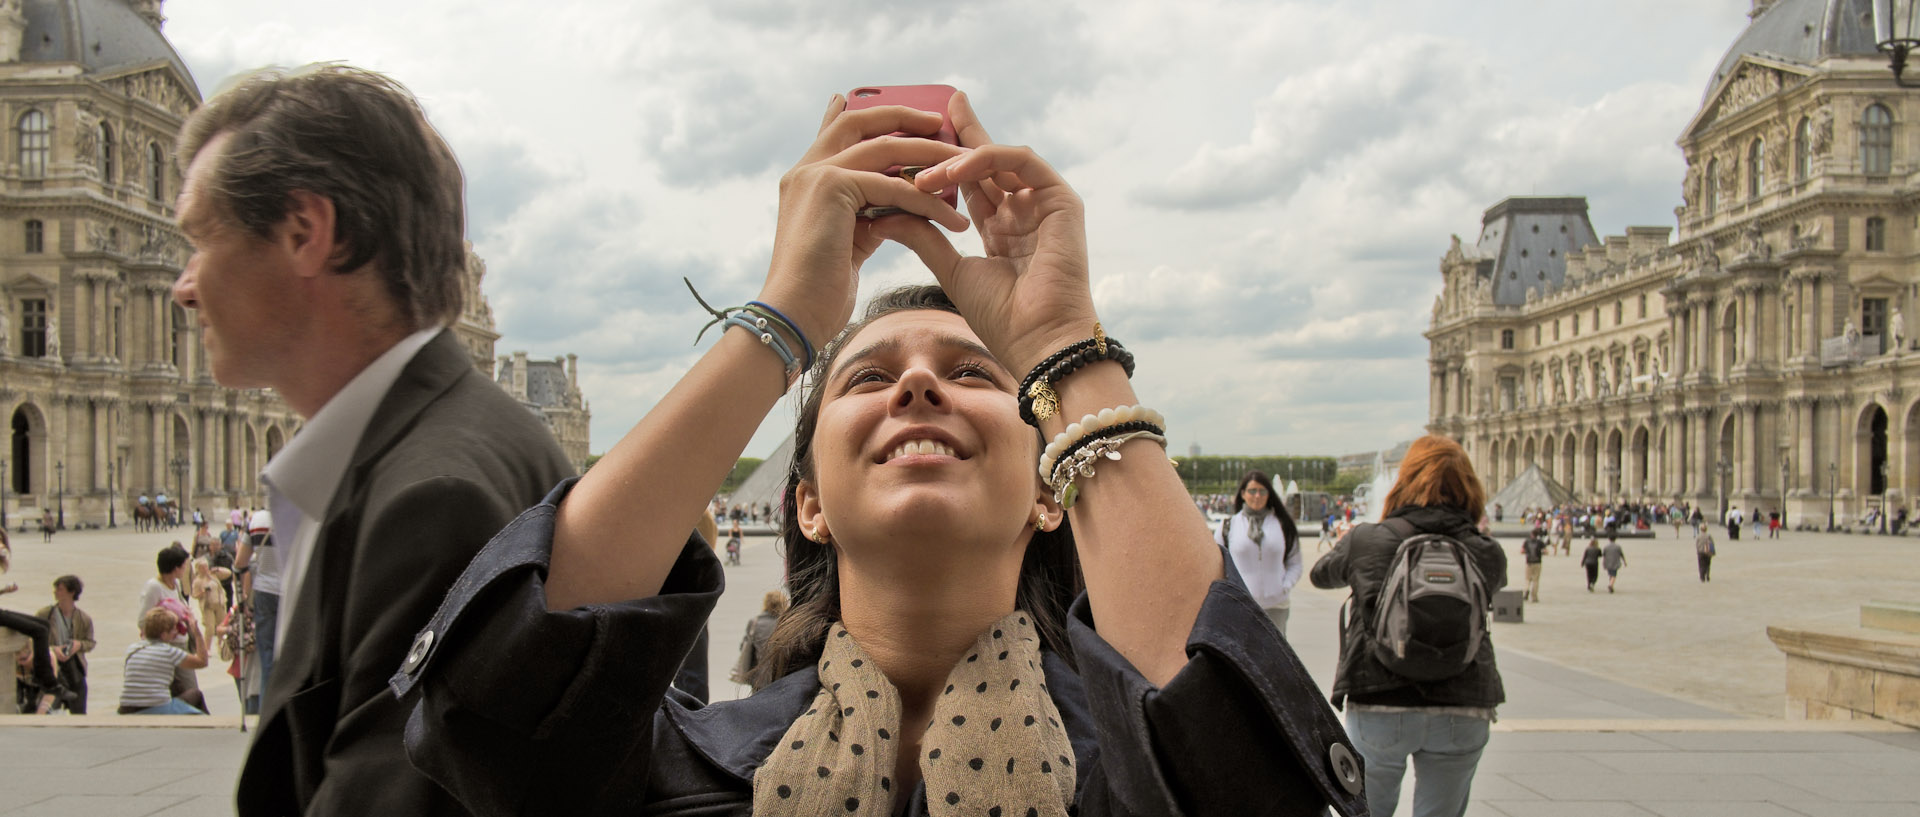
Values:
[(972, 369), (866, 376)]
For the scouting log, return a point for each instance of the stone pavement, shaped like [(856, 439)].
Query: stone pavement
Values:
[(1605, 716)]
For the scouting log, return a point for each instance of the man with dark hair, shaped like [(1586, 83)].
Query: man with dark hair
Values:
[(326, 220)]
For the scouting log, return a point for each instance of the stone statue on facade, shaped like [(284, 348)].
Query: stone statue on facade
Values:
[(6, 329), (53, 337), (1754, 244), (1485, 294), (1601, 386), (1708, 261), (1822, 130), (1898, 329), (1851, 333)]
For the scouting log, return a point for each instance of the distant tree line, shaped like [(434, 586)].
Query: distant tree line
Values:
[(1219, 474)]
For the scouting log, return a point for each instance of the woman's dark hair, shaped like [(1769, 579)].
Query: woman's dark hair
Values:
[(1275, 503), (1049, 574), (171, 558), (71, 583)]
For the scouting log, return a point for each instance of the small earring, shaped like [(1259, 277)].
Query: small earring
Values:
[(817, 536), (1040, 523)]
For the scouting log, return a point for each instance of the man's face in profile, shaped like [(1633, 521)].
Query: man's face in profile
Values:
[(241, 287)]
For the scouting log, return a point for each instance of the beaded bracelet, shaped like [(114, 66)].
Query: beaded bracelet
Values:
[(1066, 475), (1075, 433), (758, 326), (1036, 395), (758, 306)]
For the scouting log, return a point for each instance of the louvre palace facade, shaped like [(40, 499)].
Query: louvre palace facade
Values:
[(103, 379), (1760, 352)]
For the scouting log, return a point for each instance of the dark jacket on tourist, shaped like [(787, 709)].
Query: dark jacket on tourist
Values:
[(525, 711), (1361, 561)]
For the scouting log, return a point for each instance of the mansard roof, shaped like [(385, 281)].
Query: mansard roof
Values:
[(103, 36), (1528, 238)]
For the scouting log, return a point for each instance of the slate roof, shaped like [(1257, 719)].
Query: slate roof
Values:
[(102, 35), (1803, 32), (1528, 238), (546, 382)]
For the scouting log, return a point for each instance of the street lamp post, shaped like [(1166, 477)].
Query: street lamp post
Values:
[(179, 464), (1885, 483), (1783, 494), (1726, 476), (1833, 482), (1893, 29), (60, 494), (5, 477), (111, 522)]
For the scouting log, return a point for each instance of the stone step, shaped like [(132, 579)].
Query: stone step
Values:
[(1899, 616)]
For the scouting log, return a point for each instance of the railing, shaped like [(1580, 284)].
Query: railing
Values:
[(1844, 351)]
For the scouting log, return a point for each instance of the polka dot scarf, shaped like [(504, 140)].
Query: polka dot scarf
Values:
[(995, 746)]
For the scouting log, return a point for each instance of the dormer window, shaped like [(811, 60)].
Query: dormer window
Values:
[(1756, 167)]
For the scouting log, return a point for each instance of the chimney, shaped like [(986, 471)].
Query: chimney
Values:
[(520, 376), (573, 372), (149, 10)]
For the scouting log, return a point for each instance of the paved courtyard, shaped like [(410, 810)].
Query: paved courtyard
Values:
[(1661, 699)]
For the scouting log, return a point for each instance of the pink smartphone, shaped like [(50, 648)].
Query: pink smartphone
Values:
[(930, 98)]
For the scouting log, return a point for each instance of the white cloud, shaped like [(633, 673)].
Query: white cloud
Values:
[(1269, 186)]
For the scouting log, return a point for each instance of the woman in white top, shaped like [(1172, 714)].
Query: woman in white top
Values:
[(1265, 545)]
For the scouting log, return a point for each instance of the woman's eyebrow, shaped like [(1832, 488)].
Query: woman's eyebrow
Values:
[(893, 346)]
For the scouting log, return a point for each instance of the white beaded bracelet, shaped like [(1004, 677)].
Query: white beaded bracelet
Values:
[(1092, 423)]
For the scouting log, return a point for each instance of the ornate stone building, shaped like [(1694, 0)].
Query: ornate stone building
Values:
[(1760, 354), (551, 389), (102, 378)]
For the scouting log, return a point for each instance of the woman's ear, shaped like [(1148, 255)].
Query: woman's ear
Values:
[(1043, 505), (812, 518)]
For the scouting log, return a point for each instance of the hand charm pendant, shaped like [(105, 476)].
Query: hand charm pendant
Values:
[(1045, 402)]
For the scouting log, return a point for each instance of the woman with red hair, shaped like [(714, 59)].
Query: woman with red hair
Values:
[(1442, 724)]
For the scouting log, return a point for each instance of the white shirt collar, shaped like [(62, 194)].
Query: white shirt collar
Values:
[(308, 470)]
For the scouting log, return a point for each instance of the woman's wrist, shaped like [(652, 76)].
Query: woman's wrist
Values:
[(1099, 385)]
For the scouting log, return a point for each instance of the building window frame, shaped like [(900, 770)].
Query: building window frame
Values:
[(1803, 150), (1876, 140), (1506, 338), (33, 327), (36, 143), (1712, 193), (106, 154), (1875, 235), (34, 236), (1756, 168), (156, 172)]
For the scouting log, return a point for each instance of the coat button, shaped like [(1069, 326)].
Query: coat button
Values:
[(1346, 768), (418, 653)]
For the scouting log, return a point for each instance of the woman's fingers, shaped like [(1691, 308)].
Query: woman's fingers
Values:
[(924, 239), (834, 106), (965, 124), (1007, 167), (868, 189), (850, 128), (882, 152)]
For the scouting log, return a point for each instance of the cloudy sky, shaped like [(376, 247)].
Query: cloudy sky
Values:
[(1269, 185)]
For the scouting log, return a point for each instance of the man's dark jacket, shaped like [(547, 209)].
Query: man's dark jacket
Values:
[(446, 461), (1361, 561)]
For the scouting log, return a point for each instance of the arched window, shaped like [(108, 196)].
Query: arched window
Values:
[(1713, 186), (1876, 141), (1756, 167), (35, 141), (36, 237), (1803, 150), (156, 172), (106, 153)]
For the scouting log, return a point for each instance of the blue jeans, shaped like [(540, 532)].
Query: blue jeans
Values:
[(173, 707), (266, 616), (1445, 749)]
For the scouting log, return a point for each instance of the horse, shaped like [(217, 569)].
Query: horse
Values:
[(154, 517)]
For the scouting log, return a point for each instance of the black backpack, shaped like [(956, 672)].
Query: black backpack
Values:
[(1431, 612)]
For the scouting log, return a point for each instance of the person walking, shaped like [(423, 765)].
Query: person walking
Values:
[(1733, 524), (1260, 528), (1590, 559), (753, 645), (1533, 549), (1442, 725), (735, 538), (1703, 549), (47, 526), (1613, 558)]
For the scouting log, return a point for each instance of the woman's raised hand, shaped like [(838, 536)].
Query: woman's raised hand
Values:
[(1029, 296), (820, 243)]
